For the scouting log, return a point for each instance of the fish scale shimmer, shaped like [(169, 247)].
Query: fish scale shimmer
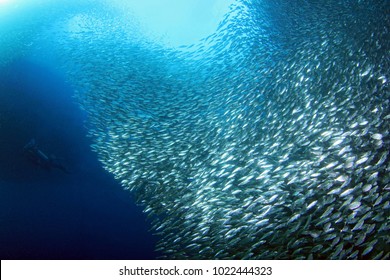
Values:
[(268, 140)]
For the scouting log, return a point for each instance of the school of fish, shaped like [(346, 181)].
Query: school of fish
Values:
[(267, 140)]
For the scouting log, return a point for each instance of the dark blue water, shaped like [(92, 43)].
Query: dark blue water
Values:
[(48, 214)]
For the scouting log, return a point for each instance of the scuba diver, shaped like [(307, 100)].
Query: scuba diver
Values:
[(41, 159)]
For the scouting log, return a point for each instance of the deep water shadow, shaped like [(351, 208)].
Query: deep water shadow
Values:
[(49, 214)]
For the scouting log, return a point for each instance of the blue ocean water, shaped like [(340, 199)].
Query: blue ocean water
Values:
[(48, 214), (244, 129)]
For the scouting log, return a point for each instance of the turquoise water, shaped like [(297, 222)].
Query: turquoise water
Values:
[(247, 129)]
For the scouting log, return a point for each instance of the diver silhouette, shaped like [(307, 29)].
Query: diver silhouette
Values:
[(35, 155)]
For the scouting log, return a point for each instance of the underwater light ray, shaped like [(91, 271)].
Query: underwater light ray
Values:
[(176, 22)]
